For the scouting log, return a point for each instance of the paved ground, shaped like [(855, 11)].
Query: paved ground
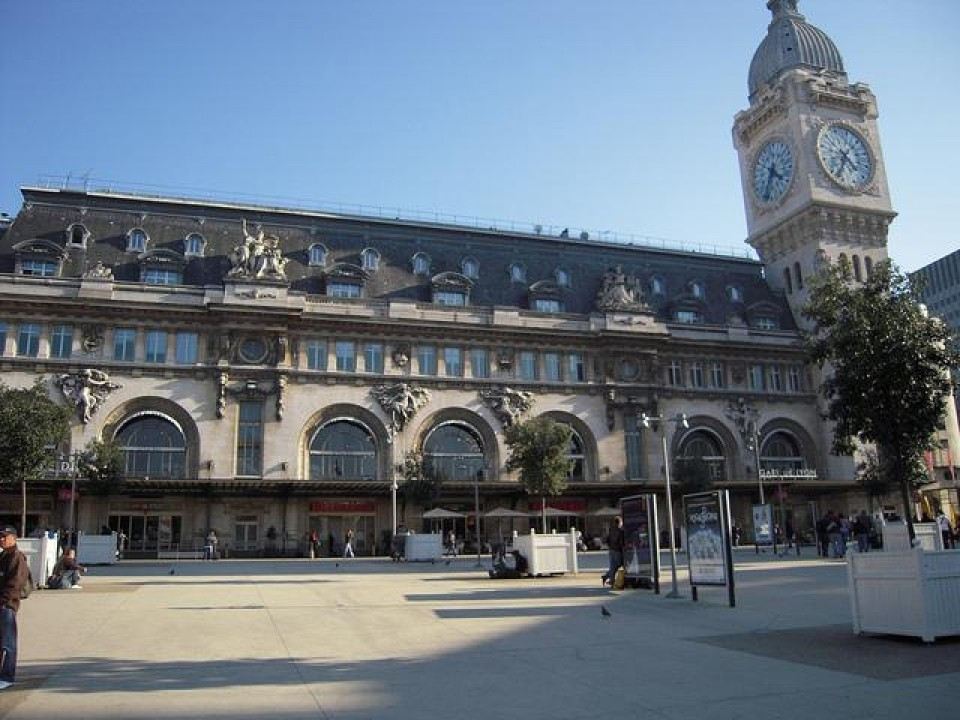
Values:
[(373, 639)]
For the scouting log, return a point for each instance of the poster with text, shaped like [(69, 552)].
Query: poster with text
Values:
[(763, 524), (706, 551)]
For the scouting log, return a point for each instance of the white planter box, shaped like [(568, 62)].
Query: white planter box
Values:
[(425, 546), (914, 593), (548, 554), (97, 549), (41, 555)]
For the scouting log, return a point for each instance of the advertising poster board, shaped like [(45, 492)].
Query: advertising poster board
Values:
[(641, 549), (709, 553), (763, 525)]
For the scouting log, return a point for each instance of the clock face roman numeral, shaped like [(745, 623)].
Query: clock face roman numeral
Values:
[(772, 171)]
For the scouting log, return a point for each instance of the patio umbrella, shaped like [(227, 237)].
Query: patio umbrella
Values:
[(500, 513), (606, 512), (441, 514)]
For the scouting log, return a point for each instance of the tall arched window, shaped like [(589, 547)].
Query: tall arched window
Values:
[(787, 281), (153, 445), (704, 449), (857, 272), (576, 454), (798, 275), (780, 451), (453, 451), (343, 450)]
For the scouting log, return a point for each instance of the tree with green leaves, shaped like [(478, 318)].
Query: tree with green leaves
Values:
[(887, 366), (540, 450), (102, 463), (32, 426), (418, 486)]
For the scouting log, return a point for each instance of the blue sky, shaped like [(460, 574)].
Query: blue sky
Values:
[(609, 115)]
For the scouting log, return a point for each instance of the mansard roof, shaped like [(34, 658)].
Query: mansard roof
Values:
[(110, 216)]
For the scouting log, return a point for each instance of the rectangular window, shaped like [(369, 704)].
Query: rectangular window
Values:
[(528, 365), (343, 290), (479, 363), (28, 340), (124, 344), (796, 379), (3, 338), (162, 276), (453, 362), (156, 346), (546, 305), (675, 373), (186, 348), (717, 375), (576, 367), (426, 360), (373, 357), (450, 297), (633, 438), (756, 377), (551, 367), (690, 317), (316, 354), (250, 439), (346, 352), (61, 341), (776, 378), (696, 375), (40, 268)]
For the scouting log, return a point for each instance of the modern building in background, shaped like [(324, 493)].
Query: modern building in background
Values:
[(274, 371)]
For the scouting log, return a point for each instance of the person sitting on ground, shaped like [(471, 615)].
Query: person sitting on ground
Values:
[(66, 573), (510, 565)]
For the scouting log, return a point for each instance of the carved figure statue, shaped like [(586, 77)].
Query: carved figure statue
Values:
[(259, 256), (99, 272), (86, 389), (91, 337), (620, 292), (401, 401), (401, 355), (507, 404)]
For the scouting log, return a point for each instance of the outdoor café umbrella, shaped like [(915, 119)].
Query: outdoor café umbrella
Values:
[(606, 512), (441, 514), (500, 513)]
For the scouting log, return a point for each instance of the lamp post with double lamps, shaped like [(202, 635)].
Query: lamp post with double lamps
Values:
[(652, 422)]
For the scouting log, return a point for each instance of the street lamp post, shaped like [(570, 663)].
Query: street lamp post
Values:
[(680, 420), (476, 509)]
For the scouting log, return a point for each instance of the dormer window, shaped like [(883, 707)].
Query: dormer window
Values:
[(345, 281), (698, 289), (562, 276), (451, 288), (136, 240), (77, 235), (518, 272), (161, 267), (546, 296), (470, 268), (193, 245), (318, 255), (421, 264), (39, 268), (39, 258), (549, 305), (658, 286), (688, 317), (371, 259), (763, 316), (735, 294), (765, 322)]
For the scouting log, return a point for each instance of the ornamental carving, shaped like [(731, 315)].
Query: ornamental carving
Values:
[(507, 404), (99, 272), (87, 390), (401, 402), (401, 355), (620, 292), (258, 258), (91, 337)]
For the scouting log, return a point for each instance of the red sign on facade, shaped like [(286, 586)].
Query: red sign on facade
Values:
[(344, 506), (577, 506), (64, 494)]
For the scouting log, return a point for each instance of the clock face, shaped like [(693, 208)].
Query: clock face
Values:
[(845, 157), (772, 171)]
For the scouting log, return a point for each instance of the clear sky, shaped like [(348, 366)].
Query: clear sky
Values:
[(601, 115)]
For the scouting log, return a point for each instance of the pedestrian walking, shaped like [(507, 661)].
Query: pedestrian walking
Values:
[(348, 544), (614, 551)]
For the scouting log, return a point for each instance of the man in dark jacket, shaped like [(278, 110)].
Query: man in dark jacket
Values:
[(13, 576), (614, 550)]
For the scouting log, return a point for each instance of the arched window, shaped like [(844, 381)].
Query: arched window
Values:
[(698, 289), (702, 449), (562, 276), (470, 268), (371, 259), (453, 451), (153, 445), (735, 293), (575, 453), (518, 272), (868, 265), (857, 271), (421, 264), (343, 450), (136, 240), (77, 235), (193, 245), (787, 280), (318, 255), (780, 451), (658, 286), (798, 275)]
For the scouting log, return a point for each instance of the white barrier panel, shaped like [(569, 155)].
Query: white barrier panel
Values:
[(41, 556), (548, 554), (913, 593), (423, 546), (97, 549)]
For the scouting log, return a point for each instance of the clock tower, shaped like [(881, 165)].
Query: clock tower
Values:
[(814, 183)]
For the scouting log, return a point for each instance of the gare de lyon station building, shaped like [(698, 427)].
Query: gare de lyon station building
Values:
[(269, 370)]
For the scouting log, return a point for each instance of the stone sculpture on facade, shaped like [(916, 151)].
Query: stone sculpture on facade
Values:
[(507, 404), (91, 337), (620, 292), (86, 389), (401, 402), (258, 258), (744, 416), (99, 272), (401, 355)]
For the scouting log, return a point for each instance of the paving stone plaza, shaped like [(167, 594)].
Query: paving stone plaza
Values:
[(367, 638)]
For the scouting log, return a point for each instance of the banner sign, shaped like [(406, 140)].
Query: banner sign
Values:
[(344, 506), (763, 524), (706, 538)]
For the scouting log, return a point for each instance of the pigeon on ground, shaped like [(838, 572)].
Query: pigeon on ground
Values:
[(337, 564), (604, 612), (172, 571), (447, 562)]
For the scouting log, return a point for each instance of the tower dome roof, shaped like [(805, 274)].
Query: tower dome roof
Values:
[(791, 42)]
